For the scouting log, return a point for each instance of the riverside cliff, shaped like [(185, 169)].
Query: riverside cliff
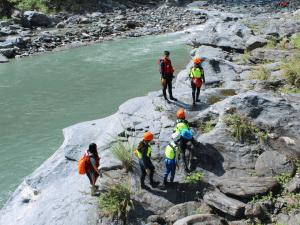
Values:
[(245, 84)]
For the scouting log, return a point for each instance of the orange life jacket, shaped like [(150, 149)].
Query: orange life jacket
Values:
[(167, 67), (88, 164)]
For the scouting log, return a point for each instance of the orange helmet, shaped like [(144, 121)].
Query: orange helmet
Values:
[(148, 136), (197, 60), (180, 114)]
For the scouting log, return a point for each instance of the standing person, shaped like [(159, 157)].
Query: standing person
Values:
[(144, 154), (197, 78), (182, 123), (167, 76), (92, 163), (171, 160)]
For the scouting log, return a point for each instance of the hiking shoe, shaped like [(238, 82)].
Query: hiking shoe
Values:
[(143, 186), (194, 103), (198, 100), (168, 101), (166, 183), (174, 99), (154, 184)]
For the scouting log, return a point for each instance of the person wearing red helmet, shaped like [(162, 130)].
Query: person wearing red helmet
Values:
[(144, 154), (182, 123), (197, 78), (166, 71)]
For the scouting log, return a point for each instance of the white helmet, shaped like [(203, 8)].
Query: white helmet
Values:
[(176, 136)]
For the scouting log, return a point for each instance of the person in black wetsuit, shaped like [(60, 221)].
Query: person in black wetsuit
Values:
[(144, 154), (167, 76)]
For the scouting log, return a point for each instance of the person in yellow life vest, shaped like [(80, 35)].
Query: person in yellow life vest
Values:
[(197, 78), (144, 154), (181, 123), (171, 160)]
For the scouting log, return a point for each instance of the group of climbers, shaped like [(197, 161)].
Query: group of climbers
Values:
[(174, 148), (196, 75)]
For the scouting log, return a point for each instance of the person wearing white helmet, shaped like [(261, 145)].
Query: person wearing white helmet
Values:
[(171, 160)]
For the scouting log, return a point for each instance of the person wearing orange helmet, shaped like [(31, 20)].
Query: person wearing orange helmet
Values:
[(144, 154), (182, 124), (197, 78), (166, 71)]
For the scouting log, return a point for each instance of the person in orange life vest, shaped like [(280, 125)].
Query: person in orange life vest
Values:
[(166, 70), (196, 71), (144, 154), (92, 164), (278, 4)]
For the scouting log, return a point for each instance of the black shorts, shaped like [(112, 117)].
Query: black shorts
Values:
[(88, 173)]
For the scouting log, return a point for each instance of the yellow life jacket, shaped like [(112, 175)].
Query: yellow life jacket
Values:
[(148, 153), (181, 124), (170, 154), (195, 73)]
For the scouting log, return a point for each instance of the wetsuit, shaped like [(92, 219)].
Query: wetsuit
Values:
[(145, 162), (168, 77)]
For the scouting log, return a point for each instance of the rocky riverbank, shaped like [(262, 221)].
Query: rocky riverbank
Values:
[(27, 33), (248, 179)]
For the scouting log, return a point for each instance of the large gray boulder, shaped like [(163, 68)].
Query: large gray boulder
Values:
[(225, 204), (271, 163), (294, 186), (33, 18), (180, 211), (255, 42), (272, 55), (247, 186), (259, 210), (201, 219), (227, 41)]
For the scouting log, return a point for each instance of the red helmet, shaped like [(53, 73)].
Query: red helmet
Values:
[(197, 60), (148, 136), (180, 114)]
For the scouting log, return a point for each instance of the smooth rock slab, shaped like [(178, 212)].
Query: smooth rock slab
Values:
[(225, 204), (201, 219), (275, 161), (272, 55), (247, 186)]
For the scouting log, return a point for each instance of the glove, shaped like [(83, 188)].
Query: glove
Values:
[(163, 81)]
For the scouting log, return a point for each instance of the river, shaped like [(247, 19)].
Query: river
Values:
[(41, 95)]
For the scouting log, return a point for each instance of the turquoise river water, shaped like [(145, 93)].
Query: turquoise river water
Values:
[(39, 96)]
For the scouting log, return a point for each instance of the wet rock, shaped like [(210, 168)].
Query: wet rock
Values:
[(85, 21), (247, 186), (201, 218), (8, 52), (225, 204), (255, 42), (3, 59), (14, 40), (271, 162), (272, 55), (5, 23)]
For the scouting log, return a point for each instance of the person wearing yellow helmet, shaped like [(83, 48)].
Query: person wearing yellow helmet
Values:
[(144, 154), (197, 78)]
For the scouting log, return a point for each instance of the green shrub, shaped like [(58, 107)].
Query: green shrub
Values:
[(123, 151), (23, 5), (4, 18), (260, 74), (291, 71), (243, 130), (271, 44), (159, 108), (207, 126), (193, 178), (116, 200)]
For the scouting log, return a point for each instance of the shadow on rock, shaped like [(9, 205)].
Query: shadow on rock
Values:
[(206, 157)]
